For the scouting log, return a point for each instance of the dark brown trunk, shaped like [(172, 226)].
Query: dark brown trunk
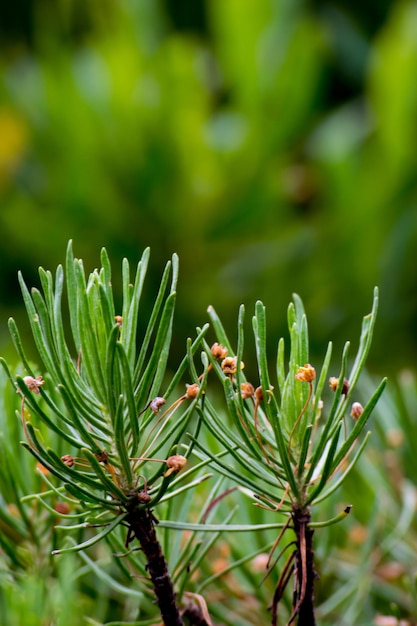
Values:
[(303, 604), (142, 524)]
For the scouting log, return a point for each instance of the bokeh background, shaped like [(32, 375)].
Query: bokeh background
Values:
[(271, 144)]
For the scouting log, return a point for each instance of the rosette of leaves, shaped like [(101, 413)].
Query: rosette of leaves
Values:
[(281, 443), (117, 449)]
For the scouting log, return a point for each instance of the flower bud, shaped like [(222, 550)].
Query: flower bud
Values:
[(62, 507), (68, 460), (333, 383), (33, 384), (247, 390), (102, 456), (218, 351), (192, 391), (175, 464), (229, 365), (156, 404), (357, 410), (306, 374)]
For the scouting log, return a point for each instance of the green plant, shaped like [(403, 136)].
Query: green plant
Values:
[(109, 452), (281, 450), (96, 422)]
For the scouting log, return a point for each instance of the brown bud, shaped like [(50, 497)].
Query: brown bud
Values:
[(175, 464), (156, 404), (62, 507), (118, 319), (259, 393), (68, 460), (33, 384), (229, 365), (218, 351), (143, 496), (192, 391), (102, 456), (333, 383), (357, 410), (306, 374), (247, 390)]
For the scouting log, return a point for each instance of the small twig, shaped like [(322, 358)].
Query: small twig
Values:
[(281, 586)]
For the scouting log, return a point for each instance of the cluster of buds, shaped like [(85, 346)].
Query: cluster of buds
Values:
[(357, 408)]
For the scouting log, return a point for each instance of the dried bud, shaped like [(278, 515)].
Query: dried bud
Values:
[(357, 410), (218, 351), (175, 464), (33, 384), (247, 390), (259, 393), (333, 383), (118, 319), (306, 374), (192, 391), (68, 460), (102, 456), (229, 365), (156, 404), (143, 496), (62, 507)]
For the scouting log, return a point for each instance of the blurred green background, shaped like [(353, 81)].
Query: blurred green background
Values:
[(271, 144)]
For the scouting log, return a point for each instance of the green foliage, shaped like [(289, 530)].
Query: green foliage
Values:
[(92, 396), (201, 523), (272, 152), (281, 445)]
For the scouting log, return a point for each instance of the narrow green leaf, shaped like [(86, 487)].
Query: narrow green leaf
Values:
[(328, 466), (151, 324), (130, 314), (105, 478), (72, 291), (93, 540), (121, 444), (129, 398), (360, 424)]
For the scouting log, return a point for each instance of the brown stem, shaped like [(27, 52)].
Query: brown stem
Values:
[(142, 525), (303, 607)]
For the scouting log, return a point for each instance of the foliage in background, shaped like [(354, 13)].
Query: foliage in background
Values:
[(271, 147)]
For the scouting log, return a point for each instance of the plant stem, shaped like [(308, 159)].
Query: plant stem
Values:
[(303, 605), (142, 524)]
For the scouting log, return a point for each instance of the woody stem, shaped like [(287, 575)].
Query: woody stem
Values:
[(142, 525)]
